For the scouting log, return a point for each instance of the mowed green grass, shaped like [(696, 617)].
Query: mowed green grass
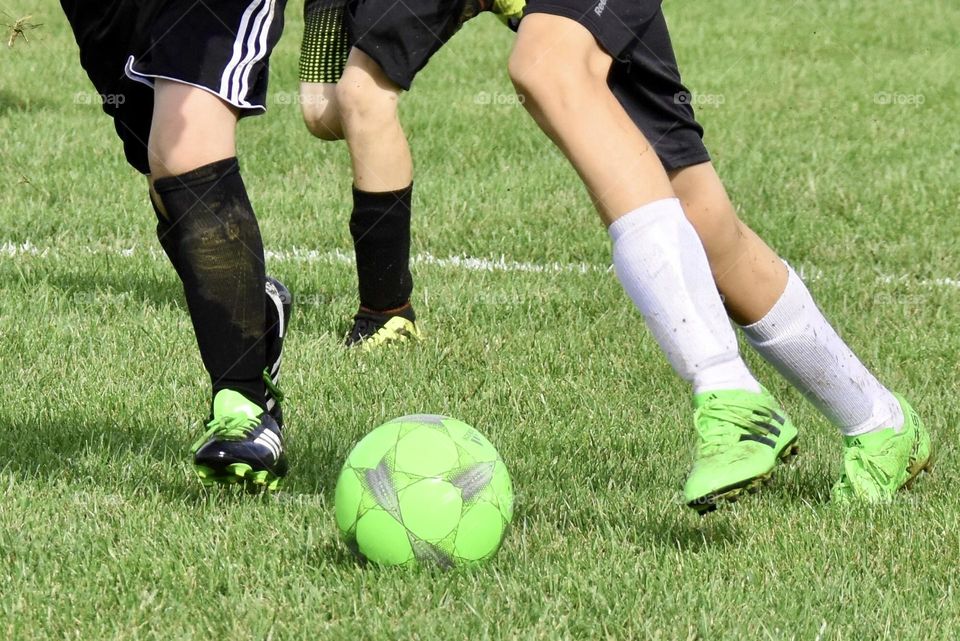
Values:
[(834, 124)]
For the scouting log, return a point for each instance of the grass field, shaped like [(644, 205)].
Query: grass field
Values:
[(834, 124)]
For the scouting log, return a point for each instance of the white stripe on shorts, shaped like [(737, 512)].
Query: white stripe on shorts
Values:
[(260, 50), (243, 49)]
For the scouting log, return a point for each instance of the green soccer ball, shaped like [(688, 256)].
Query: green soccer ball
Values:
[(426, 490)]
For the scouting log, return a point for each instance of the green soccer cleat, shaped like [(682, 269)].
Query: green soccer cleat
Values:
[(743, 435), (877, 464)]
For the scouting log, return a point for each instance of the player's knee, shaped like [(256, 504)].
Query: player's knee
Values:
[(323, 122), (522, 67), (363, 103), (321, 114), (179, 158), (169, 158), (560, 76)]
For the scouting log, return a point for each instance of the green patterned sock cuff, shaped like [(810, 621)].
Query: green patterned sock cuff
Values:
[(323, 53)]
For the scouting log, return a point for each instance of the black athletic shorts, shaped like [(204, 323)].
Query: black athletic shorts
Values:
[(221, 46), (400, 35), (645, 77)]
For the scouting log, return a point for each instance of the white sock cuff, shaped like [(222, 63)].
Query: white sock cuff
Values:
[(642, 217), (785, 313)]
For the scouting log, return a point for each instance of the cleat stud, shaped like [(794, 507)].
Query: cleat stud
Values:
[(239, 470)]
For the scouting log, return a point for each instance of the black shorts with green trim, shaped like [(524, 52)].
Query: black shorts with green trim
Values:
[(326, 43), (400, 36)]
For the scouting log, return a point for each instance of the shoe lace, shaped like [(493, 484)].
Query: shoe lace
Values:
[(856, 456), (272, 387), (231, 427), (715, 419)]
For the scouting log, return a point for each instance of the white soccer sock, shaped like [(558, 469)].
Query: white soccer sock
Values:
[(796, 339), (662, 265)]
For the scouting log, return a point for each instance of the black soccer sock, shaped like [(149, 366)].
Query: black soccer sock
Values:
[(164, 236), (170, 249), (213, 240), (272, 314), (380, 226)]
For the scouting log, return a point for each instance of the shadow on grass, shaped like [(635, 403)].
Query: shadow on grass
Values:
[(120, 283), (125, 454), (801, 485), (12, 103), (52, 439), (78, 445), (112, 283), (685, 532), (332, 551)]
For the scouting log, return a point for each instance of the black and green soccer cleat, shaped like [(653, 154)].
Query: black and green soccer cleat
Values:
[(242, 444), (743, 435), (372, 330)]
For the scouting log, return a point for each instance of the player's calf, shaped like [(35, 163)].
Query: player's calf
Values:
[(243, 443), (380, 227)]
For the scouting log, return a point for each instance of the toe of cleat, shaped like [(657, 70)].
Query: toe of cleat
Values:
[(710, 502)]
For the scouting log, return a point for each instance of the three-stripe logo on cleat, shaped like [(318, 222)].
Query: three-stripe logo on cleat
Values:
[(769, 428), (270, 441)]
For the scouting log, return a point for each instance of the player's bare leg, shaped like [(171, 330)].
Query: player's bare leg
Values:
[(748, 273), (380, 223), (208, 229), (561, 71), (572, 104), (368, 107), (191, 128)]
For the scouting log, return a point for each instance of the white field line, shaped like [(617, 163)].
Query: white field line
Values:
[(463, 263), (332, 257)]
